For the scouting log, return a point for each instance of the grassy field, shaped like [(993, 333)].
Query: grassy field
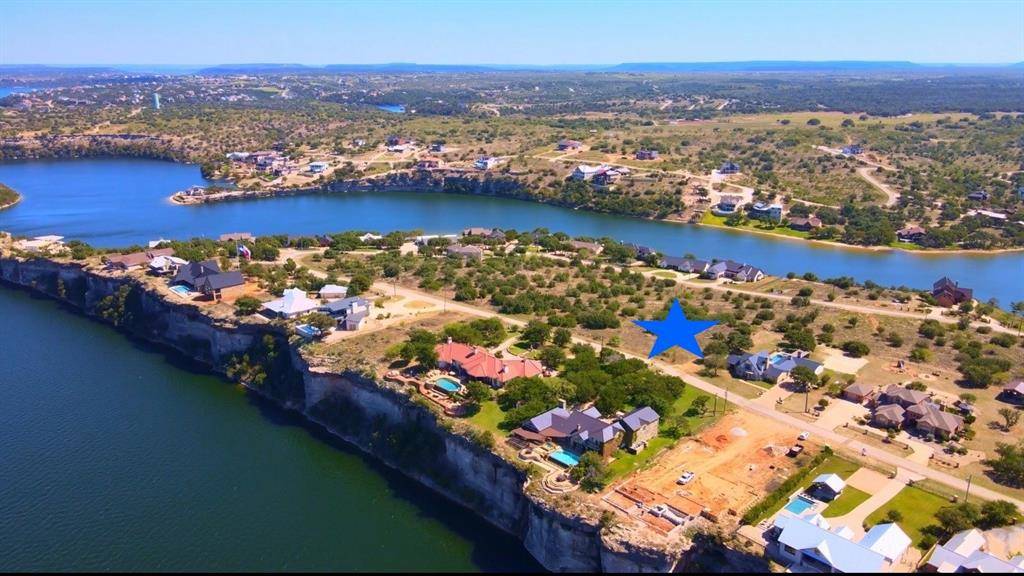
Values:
[(488, 418), (847, 501), (917, 507), (710, 219)]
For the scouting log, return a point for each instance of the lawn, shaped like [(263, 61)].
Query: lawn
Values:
[(488, 418), (832, 465), (847, 501), (917, 507)]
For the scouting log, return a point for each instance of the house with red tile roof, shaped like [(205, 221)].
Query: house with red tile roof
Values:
[(477, 363)]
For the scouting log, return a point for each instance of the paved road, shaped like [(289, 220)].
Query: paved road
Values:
[(823, 435)]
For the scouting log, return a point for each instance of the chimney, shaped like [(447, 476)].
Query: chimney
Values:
[(561, 403)]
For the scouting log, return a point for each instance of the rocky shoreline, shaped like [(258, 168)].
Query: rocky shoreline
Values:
[(379, 418)]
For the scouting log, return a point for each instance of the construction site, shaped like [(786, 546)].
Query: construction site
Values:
[(732, 465)]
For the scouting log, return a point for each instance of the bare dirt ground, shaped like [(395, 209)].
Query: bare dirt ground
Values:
[(736, 462)]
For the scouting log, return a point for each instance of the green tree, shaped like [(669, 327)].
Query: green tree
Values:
[(247, 305), (591, 472)]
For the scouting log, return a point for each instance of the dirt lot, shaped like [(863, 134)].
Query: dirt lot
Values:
[(736, 462)]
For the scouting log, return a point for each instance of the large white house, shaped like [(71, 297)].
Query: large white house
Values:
[(293, 303)]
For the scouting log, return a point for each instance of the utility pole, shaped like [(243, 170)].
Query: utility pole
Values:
[(968, 491)]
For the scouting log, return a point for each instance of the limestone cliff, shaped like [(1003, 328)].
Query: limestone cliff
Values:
[(379, 418)]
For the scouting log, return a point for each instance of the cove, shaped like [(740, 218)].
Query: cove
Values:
[(116, 202), (119, 457)]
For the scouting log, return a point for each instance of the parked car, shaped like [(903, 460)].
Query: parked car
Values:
[(795, 451), (804, 435), (685, 478)]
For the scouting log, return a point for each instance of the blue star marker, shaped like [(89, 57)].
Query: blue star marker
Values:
[(675, 330)]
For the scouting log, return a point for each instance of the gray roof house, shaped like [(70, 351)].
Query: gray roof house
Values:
[(192, 273), (769, 366), (687, 265), (640, 426), (580, 429), (213, 283), (734, 271), (903, 396), (888, 416)]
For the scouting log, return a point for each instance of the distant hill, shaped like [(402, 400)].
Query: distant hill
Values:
[(42, 70), (767, 66)]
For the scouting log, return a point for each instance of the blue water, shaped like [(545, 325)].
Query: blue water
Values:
[(116, 202), (798, 505), (393, 108), (565, 458), (8, 90), (448, 385)]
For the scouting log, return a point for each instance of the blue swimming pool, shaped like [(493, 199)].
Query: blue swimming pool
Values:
[(307, 331), (799, 505), (448, 385), (180, 290), (565, 458)]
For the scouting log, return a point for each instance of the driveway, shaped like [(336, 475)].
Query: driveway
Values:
[(882, 490), (840, 413)]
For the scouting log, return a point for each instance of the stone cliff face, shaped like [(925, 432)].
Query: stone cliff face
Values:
[(378, 418)]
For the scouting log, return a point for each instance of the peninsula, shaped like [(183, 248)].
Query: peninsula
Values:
[(501, 369), (8, 197)]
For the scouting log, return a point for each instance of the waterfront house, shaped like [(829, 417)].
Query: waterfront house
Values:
[(318, 167), (827, 487), (350, 313), (727, 205), (729, 168), (577, 430), (237, 156), (48, 244), (191, 273), (491, 233), (569, 144), (766, 211), (686, 265), (770, 366), (810, 544), (911, 234), (732, 270), (970, 552), (585, 172), (805, 224), (640, 251), (948, 293), (293, 303), (486, 162), (581, 246), (135, 260), (217, 286), (163, 265), (464, 252), (428, 164), (236, 237), (639, 427), (477, 363), (646, 155), (333, 292)]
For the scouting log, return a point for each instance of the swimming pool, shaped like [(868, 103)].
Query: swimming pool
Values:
[(307, 331), (448, 385), (181, 290), (565, 458), (776, 358), (799, 505)]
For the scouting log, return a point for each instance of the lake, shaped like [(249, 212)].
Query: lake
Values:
[(116, 202), (393, 108), (116, 457)]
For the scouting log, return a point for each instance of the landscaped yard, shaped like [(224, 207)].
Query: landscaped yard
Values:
[(488, 418), (847, 501), (832, 465), (917, 507)]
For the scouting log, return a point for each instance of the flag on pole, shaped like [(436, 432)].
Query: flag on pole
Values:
[(244, 251)]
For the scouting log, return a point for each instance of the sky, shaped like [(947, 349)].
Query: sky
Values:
[(506, 32)]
